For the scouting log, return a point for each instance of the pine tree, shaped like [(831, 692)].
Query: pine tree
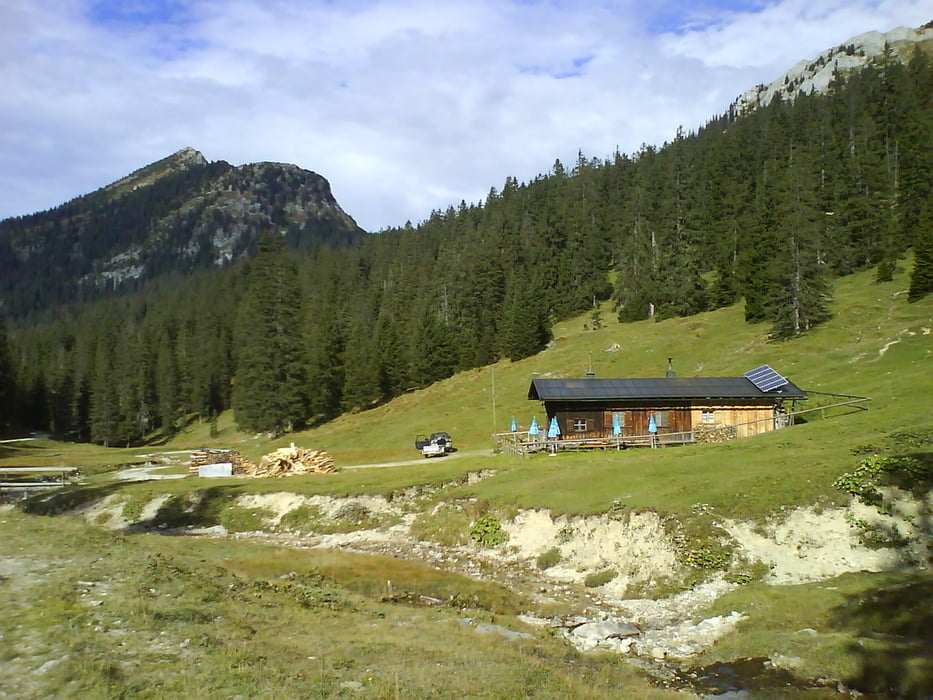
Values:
[(526, 328), (636, 285), (802, 292), (167, 384), (7, 379), (105, 404), (921, 277), (269, 386), (437, 355), (680, 290)]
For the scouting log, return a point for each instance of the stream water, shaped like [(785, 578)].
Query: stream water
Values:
[(751, 679)]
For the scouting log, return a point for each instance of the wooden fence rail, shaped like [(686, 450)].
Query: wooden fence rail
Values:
[(32, 478), (522, 444)]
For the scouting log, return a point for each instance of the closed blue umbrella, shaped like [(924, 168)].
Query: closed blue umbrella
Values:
[(553, 430), (514, 425), (652, 425), (616, 424), (534, 430)]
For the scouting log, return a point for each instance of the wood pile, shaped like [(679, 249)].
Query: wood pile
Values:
[(714, 433), (288, 461), (203, 458)]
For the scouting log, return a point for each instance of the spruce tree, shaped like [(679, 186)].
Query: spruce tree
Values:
[(802, 291), (269, 384), (921, 277), (526, 328), (437, 353), (7, 382), (105, 416)]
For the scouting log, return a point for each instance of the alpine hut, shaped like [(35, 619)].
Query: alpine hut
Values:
[(668, 410)]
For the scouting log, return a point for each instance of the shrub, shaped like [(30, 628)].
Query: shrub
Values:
[(133, 509), (548, 559), (301, 518), (599, 578), (245, 519), (876, 470), (706, 554), (488, 532)]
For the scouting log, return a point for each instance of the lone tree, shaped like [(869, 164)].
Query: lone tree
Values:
[(269, 393)]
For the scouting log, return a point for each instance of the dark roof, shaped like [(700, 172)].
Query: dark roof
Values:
[(656, 388)]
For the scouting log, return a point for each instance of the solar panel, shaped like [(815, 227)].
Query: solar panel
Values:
[(765, 378)]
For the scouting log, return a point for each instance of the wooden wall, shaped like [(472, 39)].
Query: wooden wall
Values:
[(750, 420)]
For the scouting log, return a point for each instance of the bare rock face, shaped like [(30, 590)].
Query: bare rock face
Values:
[(189, 156), (816, 75)]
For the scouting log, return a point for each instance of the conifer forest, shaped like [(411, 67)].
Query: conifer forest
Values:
[(765, 207)]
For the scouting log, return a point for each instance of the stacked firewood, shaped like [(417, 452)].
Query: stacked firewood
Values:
[(714, 433), (287, 461), (203, 458)]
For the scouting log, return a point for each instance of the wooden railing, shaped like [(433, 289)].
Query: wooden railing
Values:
[(522, 443)]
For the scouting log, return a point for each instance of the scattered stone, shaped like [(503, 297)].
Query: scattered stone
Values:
[(212, 530), (606, 629), (486, 628)]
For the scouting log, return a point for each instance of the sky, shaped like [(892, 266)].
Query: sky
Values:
[(405, 106)]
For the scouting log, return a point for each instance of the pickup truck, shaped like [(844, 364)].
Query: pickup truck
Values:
[(438, 444)]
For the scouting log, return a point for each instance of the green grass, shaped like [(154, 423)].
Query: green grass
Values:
[(876, 345)]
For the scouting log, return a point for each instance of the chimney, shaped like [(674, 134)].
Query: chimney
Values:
[(670, 374)]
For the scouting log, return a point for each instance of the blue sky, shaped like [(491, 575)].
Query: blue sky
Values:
[(405, 106)]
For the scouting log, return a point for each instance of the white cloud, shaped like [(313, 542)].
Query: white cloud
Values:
[(405, 106)]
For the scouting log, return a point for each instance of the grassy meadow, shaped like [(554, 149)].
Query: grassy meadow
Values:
[(144, 615)]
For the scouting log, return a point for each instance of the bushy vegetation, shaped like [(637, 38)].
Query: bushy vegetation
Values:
[(487, 532), (599, 578)]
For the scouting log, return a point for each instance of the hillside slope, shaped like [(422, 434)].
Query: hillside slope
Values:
[(876, 345)]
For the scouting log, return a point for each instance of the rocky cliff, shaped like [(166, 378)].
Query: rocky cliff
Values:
[(816, 74)]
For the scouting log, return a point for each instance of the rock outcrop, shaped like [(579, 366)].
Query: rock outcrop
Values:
[(816, 74)]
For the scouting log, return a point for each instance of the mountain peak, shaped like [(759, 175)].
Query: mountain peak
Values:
[(188, 156), (179, 215)]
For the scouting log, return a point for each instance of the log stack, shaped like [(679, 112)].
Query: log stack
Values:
[(203, 458), (289, 461), (714, 433)]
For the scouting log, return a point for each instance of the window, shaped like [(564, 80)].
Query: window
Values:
[(661, 419), (709, 416), (579, 425)]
